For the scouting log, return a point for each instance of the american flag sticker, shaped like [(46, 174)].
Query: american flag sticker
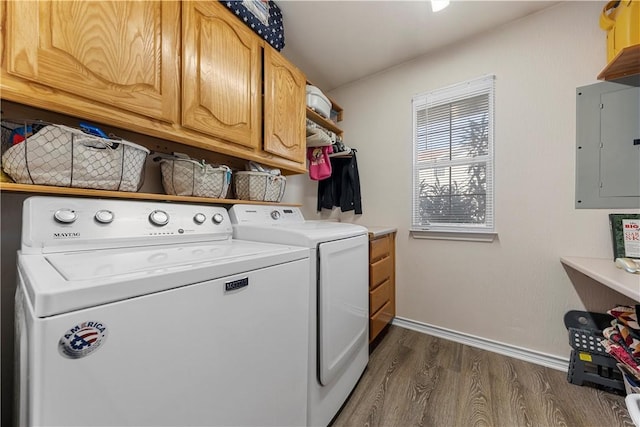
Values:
[(82, 339)]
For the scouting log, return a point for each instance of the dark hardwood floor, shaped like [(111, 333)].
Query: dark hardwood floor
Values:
[(415, 379)]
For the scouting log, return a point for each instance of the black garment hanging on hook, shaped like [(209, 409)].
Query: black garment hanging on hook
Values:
[(342, 188)]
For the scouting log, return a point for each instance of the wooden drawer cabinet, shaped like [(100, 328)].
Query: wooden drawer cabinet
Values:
[(379, 296), (380, 247), (380, 271), (382, 289), (380, 319)]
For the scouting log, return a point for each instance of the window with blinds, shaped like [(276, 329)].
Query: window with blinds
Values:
[(453, 158)]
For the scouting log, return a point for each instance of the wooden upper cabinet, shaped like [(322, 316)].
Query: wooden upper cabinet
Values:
[(185, 71), (221, 75), (122, 54), (284, 107)]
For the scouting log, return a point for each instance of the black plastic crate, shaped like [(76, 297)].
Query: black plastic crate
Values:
[(590, 363)]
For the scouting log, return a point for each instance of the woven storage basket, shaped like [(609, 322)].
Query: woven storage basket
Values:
[(185, 177), (259, 186), (63, 156)]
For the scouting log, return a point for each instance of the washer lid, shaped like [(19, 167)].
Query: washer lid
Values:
[(113, 263), (62, 282)]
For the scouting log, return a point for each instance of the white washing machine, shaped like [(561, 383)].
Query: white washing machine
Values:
[(134, 313), (339, 298)]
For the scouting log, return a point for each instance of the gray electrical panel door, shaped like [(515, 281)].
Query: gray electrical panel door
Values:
[(608, 146), (619, 157)]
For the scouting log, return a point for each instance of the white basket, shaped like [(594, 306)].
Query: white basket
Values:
[(318, 101), (67, 157), (259, 186), (185, 177)]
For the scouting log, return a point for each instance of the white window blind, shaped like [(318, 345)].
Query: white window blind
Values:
[(453, 158)]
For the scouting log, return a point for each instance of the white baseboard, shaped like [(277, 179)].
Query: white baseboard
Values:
[(550, 361)]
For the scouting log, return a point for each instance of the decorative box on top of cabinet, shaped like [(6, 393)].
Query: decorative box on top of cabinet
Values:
[(163, 69), (382, 278)]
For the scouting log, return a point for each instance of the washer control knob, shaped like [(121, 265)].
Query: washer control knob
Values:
[(199, 218), (275, 215), (217, 218), (104, 216), (65, 216), (159, 218)]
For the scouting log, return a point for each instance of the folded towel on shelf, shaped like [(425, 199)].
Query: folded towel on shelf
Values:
[(318, 138)]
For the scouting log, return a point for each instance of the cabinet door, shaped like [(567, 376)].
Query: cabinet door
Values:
[(284, 107), (120, 53), (619, 154), (221, 75)]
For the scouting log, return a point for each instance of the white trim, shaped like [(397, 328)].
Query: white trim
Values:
[(467, 236), (543, 359)]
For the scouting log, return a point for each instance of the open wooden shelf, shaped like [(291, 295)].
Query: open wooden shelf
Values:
[(625, 63), (327, 124), (85, 192)]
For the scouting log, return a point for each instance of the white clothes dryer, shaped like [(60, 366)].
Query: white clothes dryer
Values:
[(339, 298), (133, 313)]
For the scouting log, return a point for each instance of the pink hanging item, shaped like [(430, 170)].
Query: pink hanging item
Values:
[(319, 164)]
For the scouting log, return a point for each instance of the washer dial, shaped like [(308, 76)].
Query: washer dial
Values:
[(159, 218), (217, 218), (65, 216), (199, 218), (104, 216)]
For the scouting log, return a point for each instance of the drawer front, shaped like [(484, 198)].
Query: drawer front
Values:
[(379, 248), (379, 296), (379, 321), (380, 271)]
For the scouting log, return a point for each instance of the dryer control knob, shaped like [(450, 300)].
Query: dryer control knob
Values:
[(217, 218), (65, 216), (159, 218), (104, 216), (199, 218), (275, 214)]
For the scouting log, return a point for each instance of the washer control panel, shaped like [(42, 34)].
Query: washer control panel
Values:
[(96, 223)]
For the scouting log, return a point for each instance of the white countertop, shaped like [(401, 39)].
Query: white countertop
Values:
[(605, 271), (377, 231)]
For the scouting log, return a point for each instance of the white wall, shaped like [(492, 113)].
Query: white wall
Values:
[(514, 290)]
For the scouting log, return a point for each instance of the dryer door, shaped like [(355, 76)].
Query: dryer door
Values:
[(343, 303)]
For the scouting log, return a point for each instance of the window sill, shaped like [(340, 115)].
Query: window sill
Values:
[(467, 236)]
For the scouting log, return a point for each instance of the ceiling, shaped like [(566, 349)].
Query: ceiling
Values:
[(337, 42)]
